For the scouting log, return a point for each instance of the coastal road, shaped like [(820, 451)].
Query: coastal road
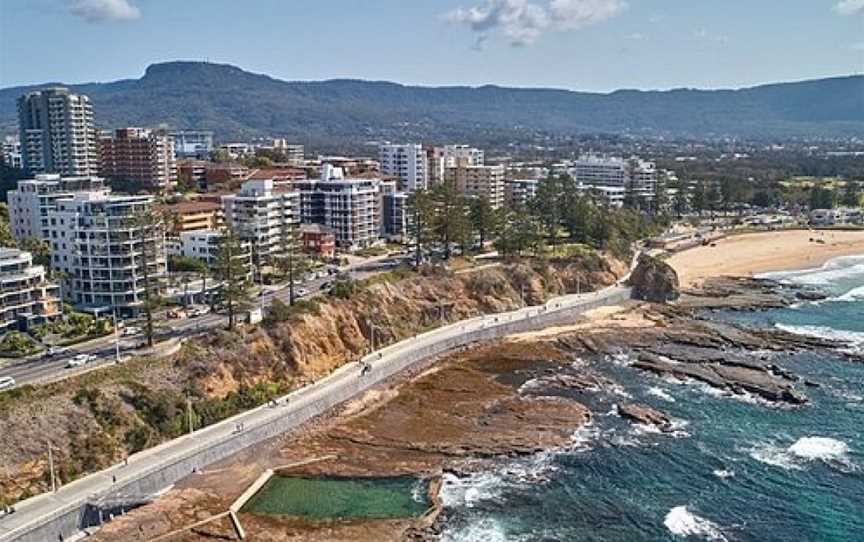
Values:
[(43, 508), (38, 370)]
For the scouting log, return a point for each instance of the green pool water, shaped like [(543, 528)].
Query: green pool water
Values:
[(341, 498)]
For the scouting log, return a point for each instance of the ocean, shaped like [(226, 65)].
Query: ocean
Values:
[(735, 469)]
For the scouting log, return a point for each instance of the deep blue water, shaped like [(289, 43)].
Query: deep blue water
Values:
[(736, 469)]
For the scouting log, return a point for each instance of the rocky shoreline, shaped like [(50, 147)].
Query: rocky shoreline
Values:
[(514, 397)]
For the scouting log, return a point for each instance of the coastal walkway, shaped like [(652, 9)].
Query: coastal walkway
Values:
[(63, 514)]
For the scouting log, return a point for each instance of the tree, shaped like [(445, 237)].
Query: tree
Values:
[(713, 198), (821, 198), (851, 195), (679, 198), (450, 222), (421, 210), (40, 250), (6, 238), (547, 204), (149, 228), (484, 219), (291, 261), (520, 232), (230, 268)]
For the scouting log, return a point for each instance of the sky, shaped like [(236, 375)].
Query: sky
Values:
[(590, 45)]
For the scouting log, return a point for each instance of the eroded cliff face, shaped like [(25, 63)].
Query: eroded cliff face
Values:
[(96, 420)]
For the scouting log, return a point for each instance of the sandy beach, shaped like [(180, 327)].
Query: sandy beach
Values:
[(749, 254)]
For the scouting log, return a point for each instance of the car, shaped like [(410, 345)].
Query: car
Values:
[(80, 360), (57, 351), (174, 314), (300, 292), (6, 382), (327, 285), (131, 330), (198, 311)]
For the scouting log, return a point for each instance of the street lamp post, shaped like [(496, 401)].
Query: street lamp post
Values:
[(51, 467), (116, 338)]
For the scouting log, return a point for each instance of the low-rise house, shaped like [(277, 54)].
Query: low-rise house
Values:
[(318, 240)]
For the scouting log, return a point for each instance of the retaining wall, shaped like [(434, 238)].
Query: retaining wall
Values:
[(71, 517)]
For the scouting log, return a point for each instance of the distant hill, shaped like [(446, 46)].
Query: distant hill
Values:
[(238, 104)]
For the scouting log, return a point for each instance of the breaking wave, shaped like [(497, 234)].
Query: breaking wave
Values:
[(854, 338), (805, 450), (832, 271), (681, 522)]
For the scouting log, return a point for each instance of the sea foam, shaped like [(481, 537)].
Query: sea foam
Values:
[(854, 338), (803, 451), (681, 522)]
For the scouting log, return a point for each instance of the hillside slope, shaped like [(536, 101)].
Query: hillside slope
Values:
[(236, 103)]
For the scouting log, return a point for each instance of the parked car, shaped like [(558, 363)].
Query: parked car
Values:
[(174, 314), (327, 285), (300, 292), (131, 330), (6, 382)]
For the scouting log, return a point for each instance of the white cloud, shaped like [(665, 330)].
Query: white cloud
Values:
[(97, 11), (524, 21), (849, 7), (572, 14)]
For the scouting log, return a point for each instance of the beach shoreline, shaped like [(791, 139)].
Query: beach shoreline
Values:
[(757, 253)]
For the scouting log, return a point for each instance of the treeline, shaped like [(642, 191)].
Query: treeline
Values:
[(444, 220), (728, 194)]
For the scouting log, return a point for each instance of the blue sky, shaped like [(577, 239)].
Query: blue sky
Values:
[(592, 45)]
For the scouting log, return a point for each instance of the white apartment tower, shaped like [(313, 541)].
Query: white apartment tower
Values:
[(261, 215), (57, 133), (406, 163), (350, 207), (97, 240), (32, 203)]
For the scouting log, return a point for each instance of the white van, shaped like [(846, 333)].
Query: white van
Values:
[(6, 382)]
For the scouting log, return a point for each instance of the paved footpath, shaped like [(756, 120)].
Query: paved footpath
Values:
[(43, 509)]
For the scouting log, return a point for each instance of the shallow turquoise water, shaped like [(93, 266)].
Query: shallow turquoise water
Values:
[(736, 469), (341, 498)]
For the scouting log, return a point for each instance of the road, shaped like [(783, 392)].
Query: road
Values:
[(42, 370), (43, 508)]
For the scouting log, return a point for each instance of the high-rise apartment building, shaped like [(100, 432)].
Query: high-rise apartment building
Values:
[(263, 215), (518, 192), (405, 163), (32, 203), (139, 157), (350, 207), (192, 143), (478, 181), (394, 212), (57, 133), (109, 258), (26, 296), (455, 155), (598, 171), (11, 152)]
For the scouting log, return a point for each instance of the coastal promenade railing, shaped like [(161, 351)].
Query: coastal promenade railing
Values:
[(61, 515)]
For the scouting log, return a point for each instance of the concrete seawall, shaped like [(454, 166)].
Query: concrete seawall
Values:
[(73, 506)]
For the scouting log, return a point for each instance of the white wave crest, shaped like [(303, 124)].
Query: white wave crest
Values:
[(661, 393), (855, 294), (484, 530), (812, 448), (854, 338), (723, 473), (833, 270), (805, 450), (682, 522)]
